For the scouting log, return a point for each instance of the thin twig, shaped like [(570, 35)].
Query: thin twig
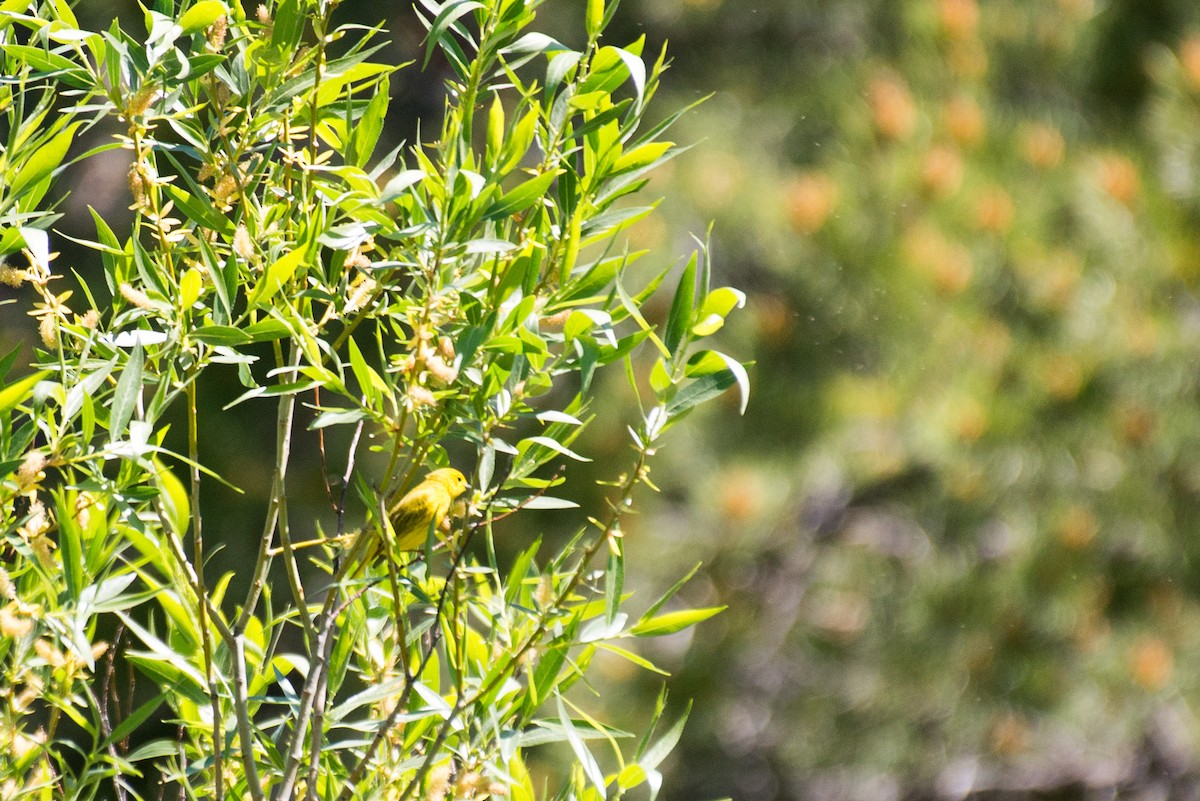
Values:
[(214, 697), (318, 731), (351, 457), (242, 715), (312, 688), (108, 685), (284, 426), (321, 451)]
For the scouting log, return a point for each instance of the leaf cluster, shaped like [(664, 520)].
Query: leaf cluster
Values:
[(456, 296)]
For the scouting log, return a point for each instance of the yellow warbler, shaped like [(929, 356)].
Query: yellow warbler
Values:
[(424, 505)]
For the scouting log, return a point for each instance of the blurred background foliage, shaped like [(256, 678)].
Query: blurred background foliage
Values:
[(956, 529)]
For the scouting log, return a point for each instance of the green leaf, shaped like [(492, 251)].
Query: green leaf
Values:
[(268, 331), (164, 663), (594, 282), (662, 747), (670, 593), (546, 674), (134, 720), (183, 680), (201, 15), (715, 307), (588, 101), (516, 144), (636, 67), (19, 390), (591, 768), (45, 160), (109, 594), (221, 336), (6, 362), (87, 387), (273, 391), (278, 274), (559, 64), (400, 182), (614, 584), (63, 9), (642, 156), (286, 92), (225, 280), (555, 446), (173, 497), (370, 125), (124, 399), (536, 42), (446, 17), (155, 749), (682, 307), (551, 731), (630, 776), (15, 7), (52, 63), (630, 656), (337, 417), (189, 288), (609, 70), (705, 362), (11, 241), (523, 196), (708, 385), (520, 571), (594, 18), (369, 381), (183, 627), (70, 545), (672, 622), (332, 84), (660, 377), (625, 345), (495, 129), (288, 26), (148, 544), (631, 308), (505, 344), (370, 695), (200, 208)]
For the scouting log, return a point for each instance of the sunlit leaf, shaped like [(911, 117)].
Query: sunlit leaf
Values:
[(523, 196), (19, 390), (708, 385), (174, 498), (202, 15), (278, 274), (46, 159), (672, 622), (714, 308), (450, 11)]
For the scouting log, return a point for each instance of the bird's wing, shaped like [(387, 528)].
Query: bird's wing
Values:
[(412, 516)]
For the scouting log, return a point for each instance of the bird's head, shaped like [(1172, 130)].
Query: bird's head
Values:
[(454, 481)]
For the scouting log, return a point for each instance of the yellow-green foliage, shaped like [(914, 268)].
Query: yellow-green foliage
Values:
[(387, 314)]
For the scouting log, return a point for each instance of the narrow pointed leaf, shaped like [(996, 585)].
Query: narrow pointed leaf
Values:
[(129, 386)]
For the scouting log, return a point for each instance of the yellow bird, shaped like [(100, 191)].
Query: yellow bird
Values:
[(424, 505)]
